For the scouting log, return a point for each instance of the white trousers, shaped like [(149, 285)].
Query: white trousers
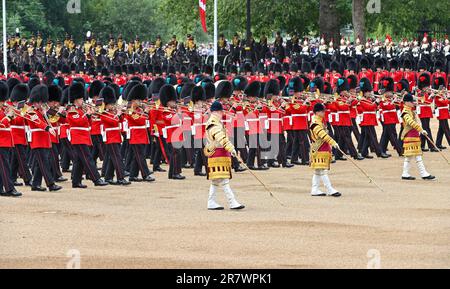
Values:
[(420, 165), (225, 185), (318, 177)]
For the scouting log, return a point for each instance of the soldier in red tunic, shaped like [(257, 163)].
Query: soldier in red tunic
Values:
[(137, 134), (98, 149), (424, 109), (112, 137), (441, 103), (170, 119), (200, 118), (389, 116), (40, 142), (7, 188), (80, 138), (19, 164)]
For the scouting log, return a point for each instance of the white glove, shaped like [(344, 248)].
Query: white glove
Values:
[(336, 146), (425, 133), (234, 154)]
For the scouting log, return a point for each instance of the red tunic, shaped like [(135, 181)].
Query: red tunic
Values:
[(388, 113), (343, 113), (79, 132), (38, 137), (298, 114), (111, 129), (137, 129), (172, 131), (424, 109), (18, 130), (6, 139), (368, 112), (442, 107)]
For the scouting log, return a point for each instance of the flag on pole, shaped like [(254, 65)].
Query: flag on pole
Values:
[(202, 9)]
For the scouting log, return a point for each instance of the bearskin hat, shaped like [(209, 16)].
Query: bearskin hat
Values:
[(76, 91), (19, 93), (342, 85), (319, 70), (167, 93), (422, 65), (317, 83), (294, 67), (334, 66), (407, 64), (387, 83), (352, 65), (138, 92), (108, 95), (210, 89), (379, 63), (438, 65), (365, 85), (253, 89), (281, 81), (156, 86), (261, 68), (186, 90), (32, 82), (4, 91), (272, 87), (364, 63), (39, 93), (54, 93), (248, 68), (239, 83), (65, 97), (305, 80), (327, 89), (438, 82), (352, 81), (207, 69), (403, 85), (172, 79), (424, 81), (219, 77), (285, 67), (95, 88), (393, 64), (198, 94), (224, 89), (11, 83), (295, 85)]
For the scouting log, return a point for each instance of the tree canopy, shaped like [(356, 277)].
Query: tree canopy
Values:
[(149, 18)]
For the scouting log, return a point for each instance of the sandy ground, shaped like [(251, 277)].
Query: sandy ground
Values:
[(165, 224)]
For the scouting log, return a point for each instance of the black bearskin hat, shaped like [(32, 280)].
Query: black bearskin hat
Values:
[(239, 83), (19, 93), (108, 95), (198, 94), (54, 93), (39, 93), (253, 89), (138, 92), (167, 93), (76, 91), (224, 89), (272, 88)]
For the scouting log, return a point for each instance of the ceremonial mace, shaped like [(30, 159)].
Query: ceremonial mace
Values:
[(363, 171), (259, 180)]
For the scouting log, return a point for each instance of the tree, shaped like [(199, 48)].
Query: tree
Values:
[(358, 12), (328, 19)]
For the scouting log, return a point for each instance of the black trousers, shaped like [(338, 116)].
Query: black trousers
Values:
[(98, 149), (83, 161), (159, 145), (390, 135), (199, 156), (138, 162), (66, 154), (19, 165), (426, 126), (6, 183), (345, 141), (42, 167), (114, 162), (240, 142), (187, 152), (300, 146), (369, 139), (277, 149), (444, 130), (174, 159), (54, 162), (254, 152), (355, 129), (289, 144)]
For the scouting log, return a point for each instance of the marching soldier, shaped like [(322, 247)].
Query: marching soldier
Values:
[(219, 151), (321, 156), (411, 140), (199, 129), (424, 109), (40, 141), (112, 136), (19, 165), (7, 188), (80, 138)]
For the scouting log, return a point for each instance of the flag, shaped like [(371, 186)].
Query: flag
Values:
[(202, 9)]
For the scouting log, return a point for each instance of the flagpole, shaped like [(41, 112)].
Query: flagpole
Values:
[(216, 57), (5, 47)]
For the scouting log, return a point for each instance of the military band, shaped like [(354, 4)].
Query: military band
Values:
[(273, 115)]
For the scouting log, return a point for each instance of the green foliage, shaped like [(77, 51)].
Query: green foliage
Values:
[(149, 18)]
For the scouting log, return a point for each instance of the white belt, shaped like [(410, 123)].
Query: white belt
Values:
[(104, 131), (5, 129), (69, 135), (252, 120), (193, 128), (267, 121), (369, 112), (438, 110), (30, 133), (129, 129), (443, 107), (164, 130), (344, 112), (389, 111), (17, 127), (227, 120), (300, 115)]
